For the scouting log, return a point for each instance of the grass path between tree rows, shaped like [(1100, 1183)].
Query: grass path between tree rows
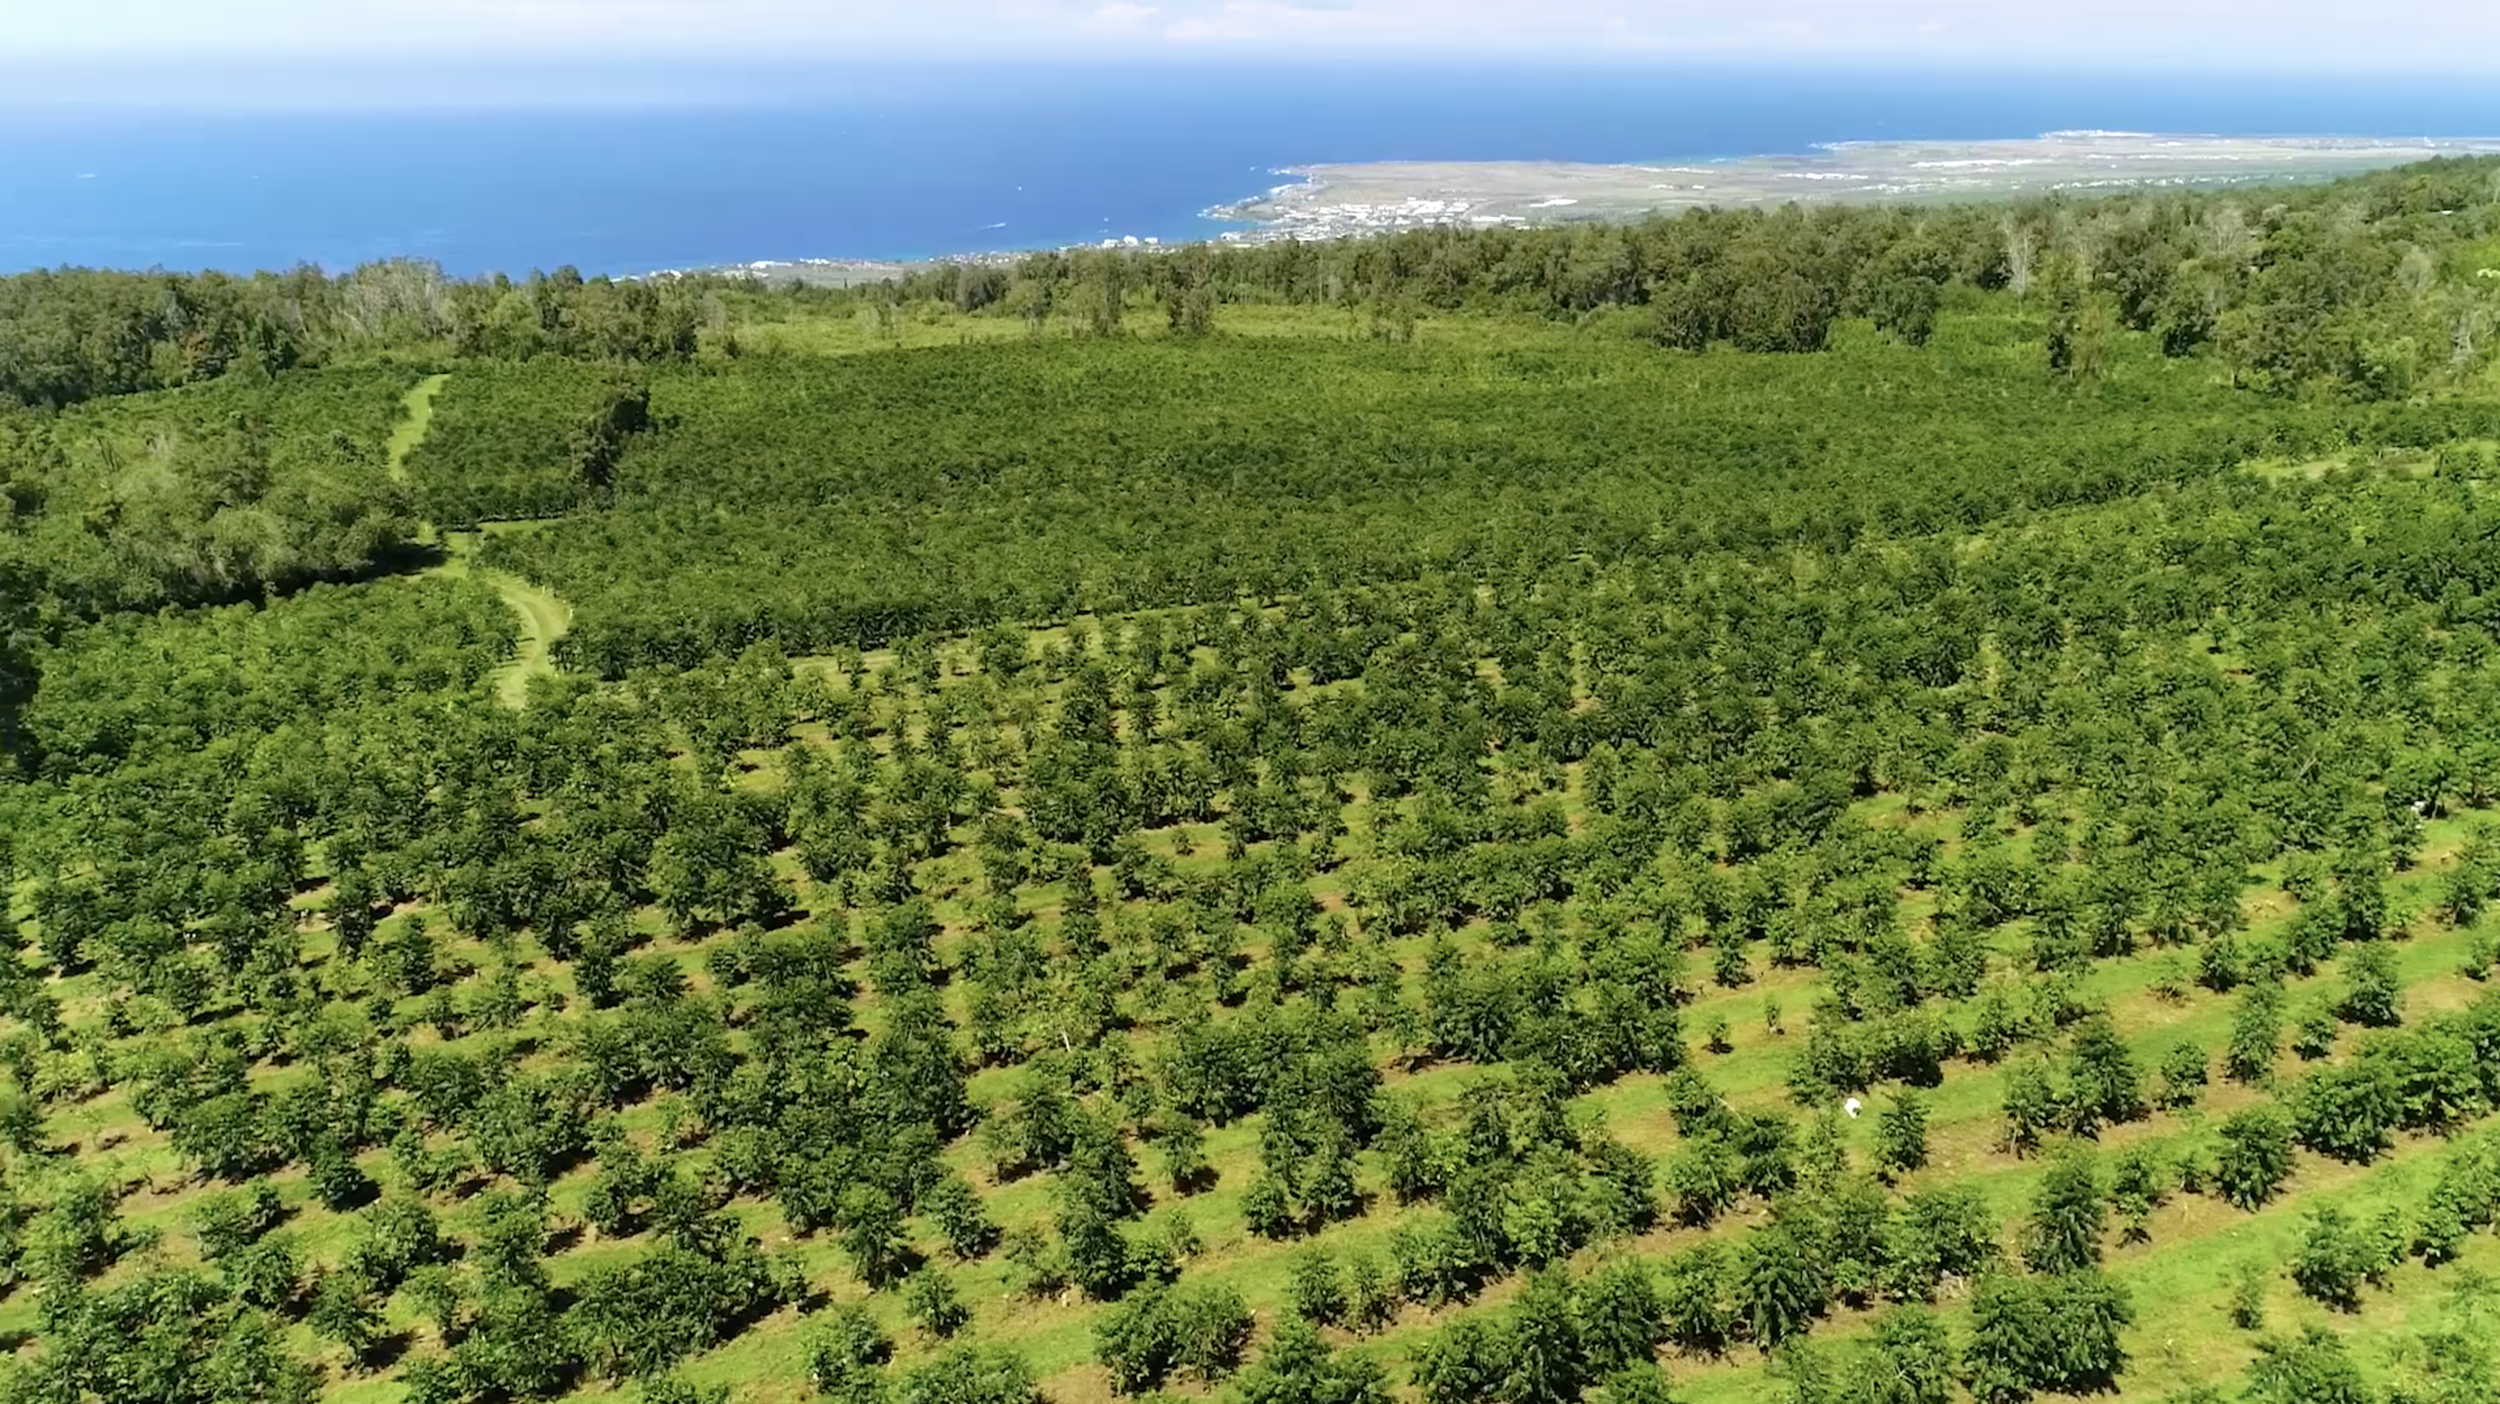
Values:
[(544, 616), (419, 407)]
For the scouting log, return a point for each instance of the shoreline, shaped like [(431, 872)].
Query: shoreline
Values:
[(1335, 200), (1329, 201)]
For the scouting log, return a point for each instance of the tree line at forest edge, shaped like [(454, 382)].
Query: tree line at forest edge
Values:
[(2352, 285), (370, 954)]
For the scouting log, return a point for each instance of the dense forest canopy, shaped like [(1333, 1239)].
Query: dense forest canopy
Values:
[(1873, 806)]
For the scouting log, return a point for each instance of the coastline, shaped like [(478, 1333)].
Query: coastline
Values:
[(1379, 197), (1347, 200)]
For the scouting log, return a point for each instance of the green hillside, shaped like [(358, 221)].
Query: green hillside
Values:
[(1873, 806)]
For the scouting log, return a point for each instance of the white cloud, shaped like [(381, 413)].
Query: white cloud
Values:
[(2328, 34), (1272, 22)]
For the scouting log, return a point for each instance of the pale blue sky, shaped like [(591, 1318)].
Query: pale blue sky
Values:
[(2194, 34)]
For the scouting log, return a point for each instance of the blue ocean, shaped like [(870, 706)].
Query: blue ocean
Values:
[(937, 164)]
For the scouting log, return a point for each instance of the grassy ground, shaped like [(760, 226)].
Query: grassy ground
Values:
[(2180, 1279), (927, 325), (544, 617), (418, 414), (2479, 454)]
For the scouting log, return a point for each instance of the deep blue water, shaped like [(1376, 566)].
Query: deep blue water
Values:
[(939, 165)]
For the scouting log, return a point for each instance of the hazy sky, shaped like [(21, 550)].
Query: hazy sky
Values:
[(2196, 34)]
